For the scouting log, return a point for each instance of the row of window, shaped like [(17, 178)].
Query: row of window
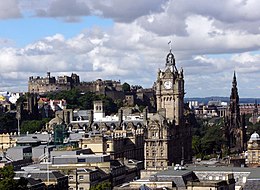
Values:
[(153, 153), (81, 177), (81, 188), (155, 143), (168, 98), (153, 164)]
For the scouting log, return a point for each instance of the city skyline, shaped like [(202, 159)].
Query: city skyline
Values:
[(129, 42)]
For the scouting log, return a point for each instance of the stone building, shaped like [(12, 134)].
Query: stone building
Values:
[(253, 150), (159, 139), (119, 138), (7, 141), (168, 134), (235, 131), (42, 85), (180, 179), (27, 109)]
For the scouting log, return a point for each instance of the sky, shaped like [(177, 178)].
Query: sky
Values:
[(127, 40)]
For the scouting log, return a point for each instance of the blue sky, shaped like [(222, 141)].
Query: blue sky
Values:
[(38, 28), (129, 42)]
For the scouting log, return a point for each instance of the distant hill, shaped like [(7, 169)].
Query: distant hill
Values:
[(205, 100)]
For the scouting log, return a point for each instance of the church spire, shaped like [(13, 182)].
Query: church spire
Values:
[(234, 80), (234, 91)]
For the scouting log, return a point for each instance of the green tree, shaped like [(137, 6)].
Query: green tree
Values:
[(33, 125), (71, 96), (7, 181), (8, 122), (207, 137), (102, 186), (251, 128), (126, 87), (77, 99)]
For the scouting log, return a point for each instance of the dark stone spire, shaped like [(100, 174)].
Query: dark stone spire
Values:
[(234, 83), (234, 92), (235, 130)]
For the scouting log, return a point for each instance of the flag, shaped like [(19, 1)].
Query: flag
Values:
[(169, 42)]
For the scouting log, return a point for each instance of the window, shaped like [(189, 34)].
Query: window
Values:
[(81, 177), (71, 188), (161, 152), (81, 188), (71, 177), (81, 160)]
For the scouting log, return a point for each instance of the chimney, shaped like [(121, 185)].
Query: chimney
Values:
[(120, 117), (90, 119), (145, 113)]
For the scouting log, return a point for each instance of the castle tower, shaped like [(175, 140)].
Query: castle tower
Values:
[(168, 137)]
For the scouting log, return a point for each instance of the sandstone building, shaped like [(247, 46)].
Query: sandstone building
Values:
[(168, 134), (41, 85), (253, 150), (161, 139)]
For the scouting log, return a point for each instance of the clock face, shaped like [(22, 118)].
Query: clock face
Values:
[(167, 84)]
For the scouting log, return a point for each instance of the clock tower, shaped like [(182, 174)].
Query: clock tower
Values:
[(170, 90), (168, 132)]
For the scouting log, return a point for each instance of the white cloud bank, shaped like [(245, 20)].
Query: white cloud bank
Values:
[(210, 40)]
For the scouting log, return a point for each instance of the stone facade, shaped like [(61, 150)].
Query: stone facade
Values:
[(119, 144), (253, 150), (168, 135), (42, 85), (6, 141), (170, 91)]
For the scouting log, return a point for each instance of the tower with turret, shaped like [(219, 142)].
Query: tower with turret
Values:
[(168, 135)]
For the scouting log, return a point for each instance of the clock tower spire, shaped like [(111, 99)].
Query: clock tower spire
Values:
[(168, 132)]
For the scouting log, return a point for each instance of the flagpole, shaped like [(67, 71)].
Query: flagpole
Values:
[(170, 45)]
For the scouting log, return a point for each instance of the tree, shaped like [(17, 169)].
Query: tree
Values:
[(102, 186), (207, 138), (76, 99), (251, 128), (8, 123), (7, 181), (126, 87), (32, 126)]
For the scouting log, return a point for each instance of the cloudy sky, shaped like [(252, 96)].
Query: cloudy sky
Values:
[(127, 40)]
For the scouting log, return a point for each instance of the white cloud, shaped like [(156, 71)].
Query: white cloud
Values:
[(210, 40)]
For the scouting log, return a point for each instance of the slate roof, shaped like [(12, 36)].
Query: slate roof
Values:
[(179, 177), (33, 182), (40, 174)]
